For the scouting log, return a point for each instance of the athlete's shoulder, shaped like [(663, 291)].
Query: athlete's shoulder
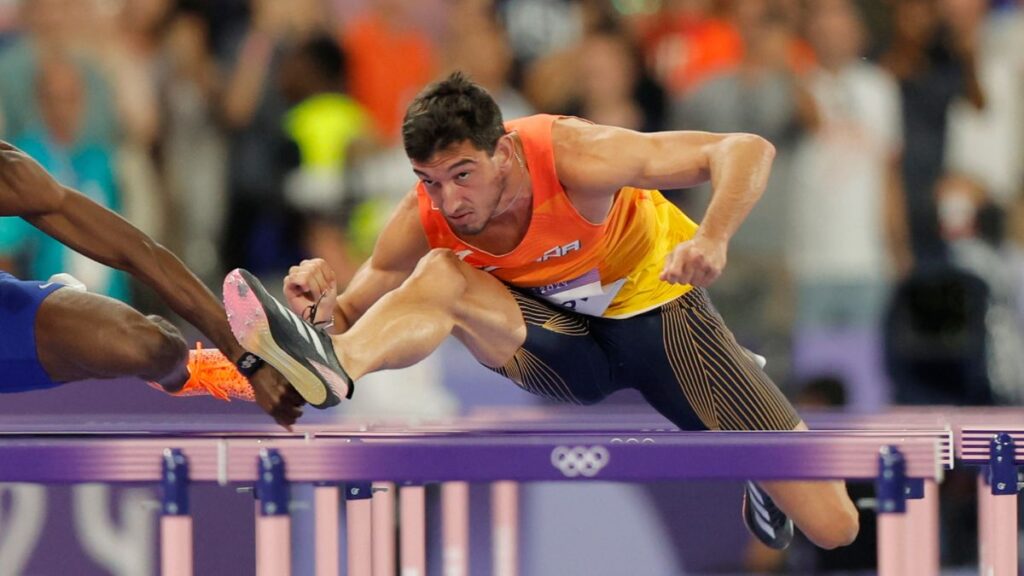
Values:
[(583, 150), (531, 122), (570, 132)]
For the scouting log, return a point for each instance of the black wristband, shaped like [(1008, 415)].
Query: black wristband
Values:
[(248, 364)]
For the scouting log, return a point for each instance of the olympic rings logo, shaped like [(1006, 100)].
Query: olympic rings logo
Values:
[(580, 460)]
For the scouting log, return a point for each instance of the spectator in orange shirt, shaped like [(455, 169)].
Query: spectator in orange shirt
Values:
[(689, 42), (390, 61)]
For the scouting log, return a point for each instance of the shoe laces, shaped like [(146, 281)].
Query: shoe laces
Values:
[(309, 314)]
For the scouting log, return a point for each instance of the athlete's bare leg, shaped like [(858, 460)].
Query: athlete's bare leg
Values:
[(823, 511), (81, 335), (442, 296)]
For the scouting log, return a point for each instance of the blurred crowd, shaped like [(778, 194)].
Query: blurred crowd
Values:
[(886, 258)]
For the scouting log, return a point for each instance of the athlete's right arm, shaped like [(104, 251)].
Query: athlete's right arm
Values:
[(399, 248)]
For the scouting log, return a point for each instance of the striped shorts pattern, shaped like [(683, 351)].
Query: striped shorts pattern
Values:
[(681, 358)]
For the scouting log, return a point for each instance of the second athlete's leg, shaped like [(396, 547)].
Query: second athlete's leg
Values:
[(81, 335)]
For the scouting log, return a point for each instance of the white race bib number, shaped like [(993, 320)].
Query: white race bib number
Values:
[(584, 295)]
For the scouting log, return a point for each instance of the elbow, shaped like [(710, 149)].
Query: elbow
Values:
[(758, 143), (750, 147)]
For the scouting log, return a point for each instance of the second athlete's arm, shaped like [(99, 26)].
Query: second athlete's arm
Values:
[(28, 191)]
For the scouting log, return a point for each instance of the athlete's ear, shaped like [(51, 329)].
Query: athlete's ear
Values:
[(504, 153)]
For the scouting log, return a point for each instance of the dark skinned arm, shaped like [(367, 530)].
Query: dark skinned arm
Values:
[(28, 191)]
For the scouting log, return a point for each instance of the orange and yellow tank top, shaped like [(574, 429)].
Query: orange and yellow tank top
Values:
[(609, 269)]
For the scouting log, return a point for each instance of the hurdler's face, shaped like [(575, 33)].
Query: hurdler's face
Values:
[(466, 184)]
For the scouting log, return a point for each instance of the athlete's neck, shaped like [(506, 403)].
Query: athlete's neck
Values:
[(524, 178)]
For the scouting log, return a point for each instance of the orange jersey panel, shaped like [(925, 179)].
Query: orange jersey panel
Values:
[(609, 269)]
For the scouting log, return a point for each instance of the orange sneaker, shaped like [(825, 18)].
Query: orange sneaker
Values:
[(212, 374)]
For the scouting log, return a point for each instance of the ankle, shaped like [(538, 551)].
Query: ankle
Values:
[(348, 357)]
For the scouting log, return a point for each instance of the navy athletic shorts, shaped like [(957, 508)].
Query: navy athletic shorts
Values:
[(679, 356)]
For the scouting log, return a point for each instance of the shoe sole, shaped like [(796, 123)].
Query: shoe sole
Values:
[(251, 326)]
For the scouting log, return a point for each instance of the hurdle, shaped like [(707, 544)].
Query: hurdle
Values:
[(998, 451), (418, 460)]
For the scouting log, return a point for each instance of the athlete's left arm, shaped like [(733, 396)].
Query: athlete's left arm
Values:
[(28, 191), (594, 162)]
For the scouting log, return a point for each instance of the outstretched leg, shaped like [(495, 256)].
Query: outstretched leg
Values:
[(81, 335), (442, 296)]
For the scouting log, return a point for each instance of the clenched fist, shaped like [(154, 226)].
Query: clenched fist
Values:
[(698, 261), (308, 284)]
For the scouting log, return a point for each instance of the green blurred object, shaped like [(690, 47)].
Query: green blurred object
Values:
[(630, 7), (366, 222)]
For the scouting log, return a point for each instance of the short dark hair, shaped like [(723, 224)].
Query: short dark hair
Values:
[(448, 112)]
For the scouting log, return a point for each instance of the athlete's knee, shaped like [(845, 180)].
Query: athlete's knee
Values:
[(152, 348), (841, 530), (441, 268)]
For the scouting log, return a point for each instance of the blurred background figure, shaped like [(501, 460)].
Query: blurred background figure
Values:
[(477, 44), (49, 26), (688, 41), (59, 144), (954, 336), (848, 226), (599, 75), (391, 58), (934, 67), (538, 28), (262, 233), (322, 126), (987, 142), (973, 223), (762, 94), (611, 87), (193, 146), (124, 40)]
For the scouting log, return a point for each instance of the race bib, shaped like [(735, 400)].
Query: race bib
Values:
[(584, 295)]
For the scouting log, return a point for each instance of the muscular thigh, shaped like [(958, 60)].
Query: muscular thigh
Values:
[(74, 327), (689, 367), (560, 357)]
